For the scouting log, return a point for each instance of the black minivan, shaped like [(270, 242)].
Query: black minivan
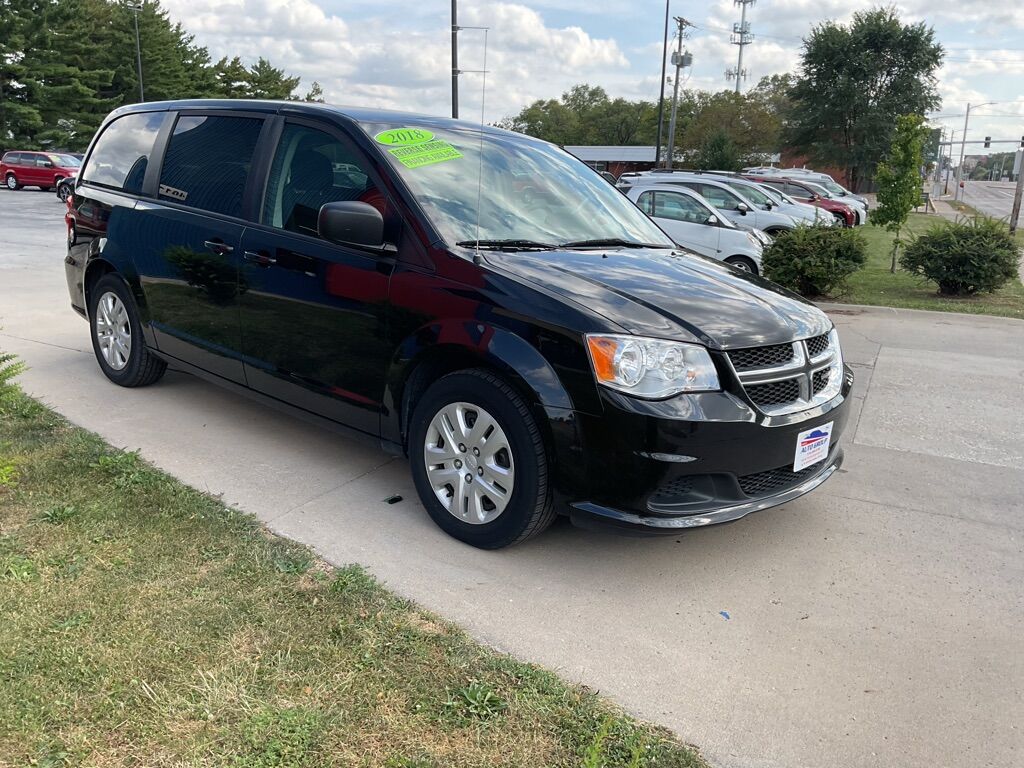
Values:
[(478, 300)]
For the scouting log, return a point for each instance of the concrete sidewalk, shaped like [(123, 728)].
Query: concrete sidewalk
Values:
[(877, 622)]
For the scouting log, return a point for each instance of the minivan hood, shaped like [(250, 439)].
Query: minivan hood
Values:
[(670, 294)]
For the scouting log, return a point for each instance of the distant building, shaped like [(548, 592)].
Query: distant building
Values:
[(615, 160)]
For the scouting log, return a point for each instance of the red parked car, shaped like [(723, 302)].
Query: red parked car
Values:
[(37, 169), (803, 193)]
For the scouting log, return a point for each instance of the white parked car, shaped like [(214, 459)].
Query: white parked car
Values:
[(737, 208), (692, 223)]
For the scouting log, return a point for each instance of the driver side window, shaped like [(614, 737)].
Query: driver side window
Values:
[(311, 167), (719, 197), (673, 205)]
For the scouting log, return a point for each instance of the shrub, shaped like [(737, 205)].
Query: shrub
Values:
[(964, 257), (814, 261)]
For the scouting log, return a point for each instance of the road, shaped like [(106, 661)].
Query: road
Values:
[(993, 198), (877, 622)]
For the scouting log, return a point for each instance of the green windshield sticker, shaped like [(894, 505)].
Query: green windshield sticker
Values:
[(403, 137), (419, 155)]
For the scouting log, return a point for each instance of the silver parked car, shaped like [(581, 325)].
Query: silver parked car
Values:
[(694, 224)]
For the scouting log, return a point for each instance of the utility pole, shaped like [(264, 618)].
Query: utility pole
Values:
[(740, 37), (455, 59), (680, 60), (1017, 194), (135, 8), (661, 98)]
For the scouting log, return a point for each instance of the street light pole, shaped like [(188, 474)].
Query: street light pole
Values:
[(963, 143), (135, 8)]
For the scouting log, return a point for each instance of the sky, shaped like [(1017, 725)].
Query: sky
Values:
[(396, 54)]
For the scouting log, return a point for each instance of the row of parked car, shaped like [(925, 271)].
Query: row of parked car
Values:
[(732, 217)]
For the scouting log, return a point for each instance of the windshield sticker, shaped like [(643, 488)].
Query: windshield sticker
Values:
[(403, 137), (419, 155)]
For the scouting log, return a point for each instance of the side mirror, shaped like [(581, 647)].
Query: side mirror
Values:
[(743, 208), (47, 164), (711, 221), (351, 223)]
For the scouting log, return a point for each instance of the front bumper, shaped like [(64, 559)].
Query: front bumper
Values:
[(695, 460)]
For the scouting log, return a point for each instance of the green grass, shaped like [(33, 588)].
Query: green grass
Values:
[(146, 624), (876, 286)]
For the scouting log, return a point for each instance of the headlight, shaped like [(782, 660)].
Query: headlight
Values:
[(651, 368), (753, 240)]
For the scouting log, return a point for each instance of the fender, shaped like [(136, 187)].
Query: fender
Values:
[(446, 345)]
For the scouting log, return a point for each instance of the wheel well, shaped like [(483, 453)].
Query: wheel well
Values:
[(97, 269), (441, 361)]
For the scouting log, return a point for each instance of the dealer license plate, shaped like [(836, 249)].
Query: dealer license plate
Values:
[(812, 446)]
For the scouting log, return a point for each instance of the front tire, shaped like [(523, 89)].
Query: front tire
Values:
[(479, 462), (117, 339), (743, 263), (63, 193)]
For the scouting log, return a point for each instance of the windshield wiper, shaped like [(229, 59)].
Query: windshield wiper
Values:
[(610, 241), (510, 244)]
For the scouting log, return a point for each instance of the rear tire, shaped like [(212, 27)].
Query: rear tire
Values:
[(743, 263), (11, 181), (489, 488), (117, 339)]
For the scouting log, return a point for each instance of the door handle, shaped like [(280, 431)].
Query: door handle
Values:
[(259, 259), (218, 247)]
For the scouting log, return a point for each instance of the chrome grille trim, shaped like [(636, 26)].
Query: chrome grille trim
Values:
[(803, 368)]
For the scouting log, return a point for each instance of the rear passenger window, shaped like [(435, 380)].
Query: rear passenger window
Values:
[(122, 152), (208, 160)]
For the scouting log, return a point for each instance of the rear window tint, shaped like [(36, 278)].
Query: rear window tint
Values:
[(121, 154), (207, 162)]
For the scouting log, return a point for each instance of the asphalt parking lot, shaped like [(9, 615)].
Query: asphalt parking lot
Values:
[(876, 622)]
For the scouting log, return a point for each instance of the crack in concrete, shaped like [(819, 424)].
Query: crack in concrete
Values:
[(320, 495)]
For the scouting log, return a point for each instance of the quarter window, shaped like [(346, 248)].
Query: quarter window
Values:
[(208, 160), (646, 203), (122, 152), (311, 168)]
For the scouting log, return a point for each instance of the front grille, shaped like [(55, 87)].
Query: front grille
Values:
[(774, 393), (672, 491), (817, 345), (820, 380), (775, 480), (761, 357)]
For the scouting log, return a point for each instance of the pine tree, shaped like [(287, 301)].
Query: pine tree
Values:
[(266, 81)]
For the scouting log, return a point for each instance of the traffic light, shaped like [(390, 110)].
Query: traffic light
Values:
[(988, 142)]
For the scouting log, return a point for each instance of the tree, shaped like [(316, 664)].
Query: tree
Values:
[(718, 153), (266, 81), (315, 93), (899, 178), (853, 80), (750, 126), (65, 64)]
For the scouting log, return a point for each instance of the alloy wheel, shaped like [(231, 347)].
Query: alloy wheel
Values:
[(469, 463), (113, 330)]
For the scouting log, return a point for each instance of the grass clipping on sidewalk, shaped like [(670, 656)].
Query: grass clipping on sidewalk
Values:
[(144, 623)]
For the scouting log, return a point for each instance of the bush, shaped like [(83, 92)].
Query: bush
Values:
[(964, 257), (814, 261)]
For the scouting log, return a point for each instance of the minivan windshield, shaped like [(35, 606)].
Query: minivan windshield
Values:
[(508, 192)]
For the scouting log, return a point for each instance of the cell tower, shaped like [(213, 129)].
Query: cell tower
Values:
[(741, 37)]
